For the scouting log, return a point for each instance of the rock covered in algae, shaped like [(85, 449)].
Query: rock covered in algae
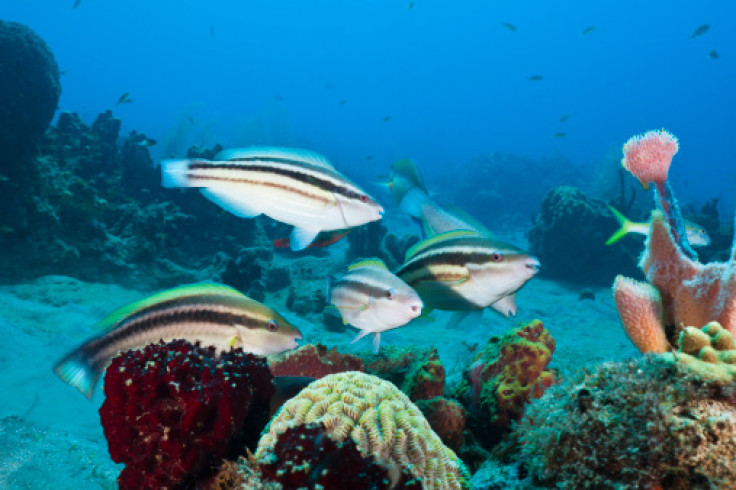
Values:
[(651, 423), (379, 418)]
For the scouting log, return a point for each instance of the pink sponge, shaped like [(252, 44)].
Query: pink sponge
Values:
[(648, 156), (173, 410)]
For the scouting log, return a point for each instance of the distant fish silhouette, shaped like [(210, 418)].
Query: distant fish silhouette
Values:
[(125, 99), (700, 31), (342, 101), (565, 117), (559, 135), (76, 4), (410, 5), (712, 54), (212, 30), (147, 142), (588, 30), (536, 78), (386, 119), (511, 27)]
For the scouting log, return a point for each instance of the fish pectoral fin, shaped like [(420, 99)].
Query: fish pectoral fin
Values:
[(362, 334), (300, 238), (234, 340), (456, 318), (376, 342), (232, 202)]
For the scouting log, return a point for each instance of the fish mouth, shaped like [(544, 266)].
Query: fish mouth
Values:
[(533, 265)]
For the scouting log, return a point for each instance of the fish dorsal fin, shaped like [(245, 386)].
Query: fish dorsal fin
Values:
[(368, 263), (296, 154), (462, 215), (424, 244), (202, 288), (410, 171)]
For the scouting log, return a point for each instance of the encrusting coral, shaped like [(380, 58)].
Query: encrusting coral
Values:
[(379, 418)]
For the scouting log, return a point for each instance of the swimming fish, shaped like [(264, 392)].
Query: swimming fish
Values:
[(209, 313), (511, 27), (386, 119), (536, 78), (296, 187), (696, 234), (372, 299), (124, 99), (587, 30), (146, 142), (76, 4), (565, 118), (324, 239), (466, 270), (700, 31), (559, 135), (712, 54)]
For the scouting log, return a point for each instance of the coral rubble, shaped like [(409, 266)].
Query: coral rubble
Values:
[(379, 419), (172, 410)]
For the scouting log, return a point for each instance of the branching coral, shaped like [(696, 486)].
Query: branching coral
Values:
[(379, 418)]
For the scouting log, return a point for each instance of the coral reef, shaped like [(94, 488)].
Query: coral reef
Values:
[(315, 361), (379, 418), (29, 92), (710, 352), (447, 418), (680, 292), (304, 304), (305, 456), (569, 238), (417, 371), (374, 241), (171, 410), (505, 376), (650, 423)]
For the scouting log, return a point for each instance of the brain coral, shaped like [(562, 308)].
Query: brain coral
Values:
[(379, 418), (29, 88)]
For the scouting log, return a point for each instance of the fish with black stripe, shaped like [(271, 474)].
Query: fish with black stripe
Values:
[(208, 313), (296, 187), (465, 270), (372, 299)]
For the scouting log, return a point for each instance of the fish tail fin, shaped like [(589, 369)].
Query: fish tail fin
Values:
[(76, 370), (623, 230), (174, 173)]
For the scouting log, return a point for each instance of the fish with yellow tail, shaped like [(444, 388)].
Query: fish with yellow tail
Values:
[(372, 299), (296, 187), (697, 236), (466, 270), (208, 313)]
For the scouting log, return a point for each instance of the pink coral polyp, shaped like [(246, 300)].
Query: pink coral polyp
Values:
[(648, 156)]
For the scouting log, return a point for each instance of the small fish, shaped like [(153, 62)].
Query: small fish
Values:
[(559, 135), (191, 119), (565, 118), (76, 4), (372, 299), (536, 78), (209, 313), (368, 158), (712, 54), (511, 27), (212, 30), (324, 239), (146, 142), (467, 270), (700, 31), (125, 99), (696, 234), (329, 86), (587, 30), (278, 97), (4, 178), (343, 101), (296, 187), (410, 5), (386, 119)]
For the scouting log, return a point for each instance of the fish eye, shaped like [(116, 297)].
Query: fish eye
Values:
[(497, 257), (272, 326), (363, 198), (389, 294)]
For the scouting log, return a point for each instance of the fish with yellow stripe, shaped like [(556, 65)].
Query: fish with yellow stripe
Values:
[(296, 187), (465, 270), (209, 313), (697, 236), (372, 299)]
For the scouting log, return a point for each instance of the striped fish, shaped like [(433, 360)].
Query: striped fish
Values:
[(296, 187), (467, 270), (212, 314), (372, 299)]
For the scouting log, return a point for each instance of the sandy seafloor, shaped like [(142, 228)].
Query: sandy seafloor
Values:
[(50, 435)]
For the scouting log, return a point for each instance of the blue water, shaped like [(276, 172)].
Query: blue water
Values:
[(452, 79)]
